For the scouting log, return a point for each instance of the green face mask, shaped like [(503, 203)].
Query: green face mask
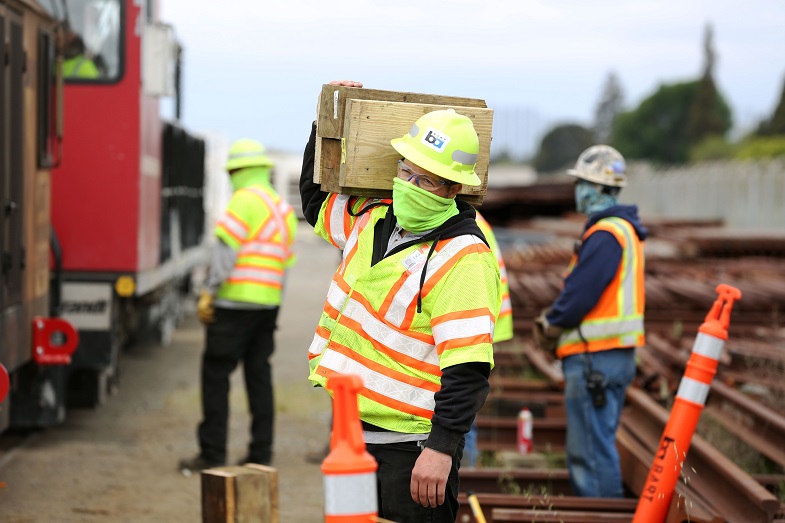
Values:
[(418, 210)]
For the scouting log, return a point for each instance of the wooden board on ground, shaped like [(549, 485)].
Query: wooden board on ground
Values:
[(240, 494)]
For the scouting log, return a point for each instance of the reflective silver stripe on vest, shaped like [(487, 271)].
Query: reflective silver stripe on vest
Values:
[(354, 236), (693, 390), (629, 329), (462, 328), (278, 211), (708, 346), (394, 339), (233, 225), (263, 249), (350, 494), (259, 274), (411, 287), (338, 215), (378, 382), (317, 345), (336, 297)]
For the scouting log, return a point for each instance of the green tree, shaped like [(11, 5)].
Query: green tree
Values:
[(703, 120), (561, 146), (776, 124), (657, 129), (609, 106)]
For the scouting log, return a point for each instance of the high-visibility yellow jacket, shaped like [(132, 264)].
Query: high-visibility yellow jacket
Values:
[(503, 330), (398, 320), (261, 227), (616, 321)]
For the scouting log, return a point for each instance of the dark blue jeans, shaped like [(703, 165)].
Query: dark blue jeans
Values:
[(238, 336), (592, 458), (396, 461)]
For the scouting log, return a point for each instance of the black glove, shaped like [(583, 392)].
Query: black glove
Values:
[(546, 335)]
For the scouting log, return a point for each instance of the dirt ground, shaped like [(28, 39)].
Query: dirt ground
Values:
[(118, 463)]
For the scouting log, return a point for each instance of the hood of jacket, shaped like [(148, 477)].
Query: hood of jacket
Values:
[(626, 212)]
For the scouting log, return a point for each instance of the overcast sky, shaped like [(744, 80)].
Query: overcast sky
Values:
[(255, 68)]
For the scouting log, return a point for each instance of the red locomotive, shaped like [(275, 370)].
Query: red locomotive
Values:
[(114, 257)]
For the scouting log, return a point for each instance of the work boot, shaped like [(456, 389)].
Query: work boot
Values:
[(248, 460), (190, 465)]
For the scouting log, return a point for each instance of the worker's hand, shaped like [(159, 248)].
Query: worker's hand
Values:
[(343, 83), (429, 478), (545, 334), (346, 83), (205, 308)]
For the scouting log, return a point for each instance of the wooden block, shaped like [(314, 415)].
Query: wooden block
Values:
[(246, 494), (333, 99), (370, 162)]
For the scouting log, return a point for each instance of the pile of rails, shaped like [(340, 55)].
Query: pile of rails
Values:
[(735, 470)]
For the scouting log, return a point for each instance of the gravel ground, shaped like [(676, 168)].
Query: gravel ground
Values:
[(118, 463)]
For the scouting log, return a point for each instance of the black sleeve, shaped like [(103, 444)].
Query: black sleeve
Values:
[(310, 193), (463, 393)]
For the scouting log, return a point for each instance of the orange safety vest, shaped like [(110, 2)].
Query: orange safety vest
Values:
[(616, 321)]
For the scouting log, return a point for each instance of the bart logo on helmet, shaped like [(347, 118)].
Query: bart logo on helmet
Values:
[(435, 140)]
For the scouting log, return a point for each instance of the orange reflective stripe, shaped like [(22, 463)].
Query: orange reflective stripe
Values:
[(459, 343), (462, 329), (419, 336), (383, 400), (433, 278), (386, 371), (403, 359), (385, 306)]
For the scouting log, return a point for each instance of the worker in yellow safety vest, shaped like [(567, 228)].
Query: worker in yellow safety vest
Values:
[(76, 63), (502, 332), (597, 321), (239, 305), (411, 310)]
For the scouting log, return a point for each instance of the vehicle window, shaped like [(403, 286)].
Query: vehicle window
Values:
[(93, 38)]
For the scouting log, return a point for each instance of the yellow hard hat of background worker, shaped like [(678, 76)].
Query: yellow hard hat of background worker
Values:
[(444, 143), (247, 153), (601, 164)]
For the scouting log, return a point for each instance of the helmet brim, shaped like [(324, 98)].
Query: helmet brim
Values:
[(413, 155)]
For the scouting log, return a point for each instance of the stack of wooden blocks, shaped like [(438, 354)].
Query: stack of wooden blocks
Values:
[(354, 129)]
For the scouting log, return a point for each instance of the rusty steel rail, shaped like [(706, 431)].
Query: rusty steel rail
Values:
[(760, 427), (708, 475), (542, 503), (548, 435), (491, 480)]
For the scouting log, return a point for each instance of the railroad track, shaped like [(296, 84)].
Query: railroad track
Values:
[(713, 488)]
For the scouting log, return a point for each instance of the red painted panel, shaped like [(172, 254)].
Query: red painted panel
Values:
[(105, 198)]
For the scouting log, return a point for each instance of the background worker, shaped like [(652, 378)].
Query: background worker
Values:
[(597, 321), (411, 310), (502, 331), (76, 63), (239, 305)]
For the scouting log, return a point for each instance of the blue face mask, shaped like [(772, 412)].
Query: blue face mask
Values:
[(590, 200)]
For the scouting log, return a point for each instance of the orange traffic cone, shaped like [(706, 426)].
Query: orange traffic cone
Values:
[(349, 470), (687, 407)]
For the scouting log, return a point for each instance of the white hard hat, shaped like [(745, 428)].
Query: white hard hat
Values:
[(601, 164)]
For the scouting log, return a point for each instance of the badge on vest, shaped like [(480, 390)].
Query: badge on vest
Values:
[(414, 261)]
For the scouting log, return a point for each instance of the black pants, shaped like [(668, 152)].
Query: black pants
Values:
[(396, 461), (238, 336)]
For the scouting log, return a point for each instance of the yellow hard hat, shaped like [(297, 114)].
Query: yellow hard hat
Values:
[(247, 153), (444, 143), (601, 164)]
